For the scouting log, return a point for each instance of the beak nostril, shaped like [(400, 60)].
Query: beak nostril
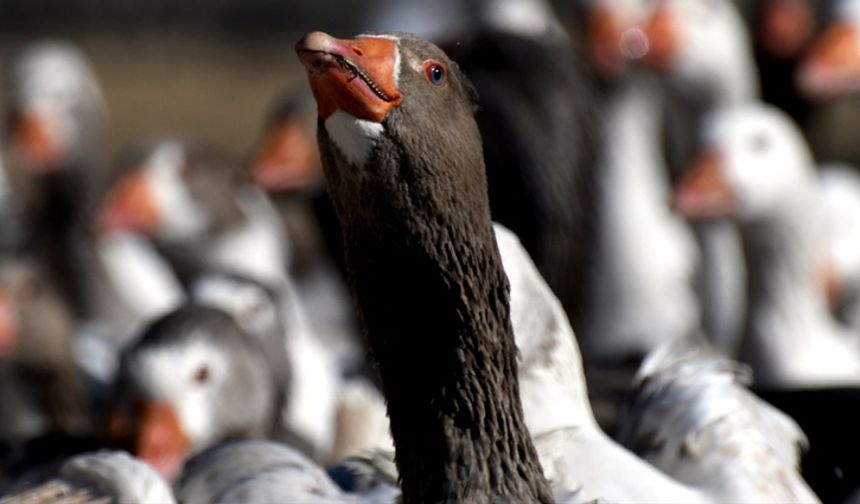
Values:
[(357, 51)]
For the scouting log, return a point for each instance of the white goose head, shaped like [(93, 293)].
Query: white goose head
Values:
[(55, 105), (755, 165)]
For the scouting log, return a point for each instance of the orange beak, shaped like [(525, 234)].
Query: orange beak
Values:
[(662, 33), (831, 284), (288, 160), (8, 325), (34, 137), (130, 206), (160, 440), (703, 192), (785, 27), (356, 76), (833, 65)]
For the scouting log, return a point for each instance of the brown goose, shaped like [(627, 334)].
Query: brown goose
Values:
[(402, 156)]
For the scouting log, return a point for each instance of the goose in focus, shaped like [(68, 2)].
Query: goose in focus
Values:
[(430, 287), (691, 415), (402, 156), (101, 477), (757, 169)]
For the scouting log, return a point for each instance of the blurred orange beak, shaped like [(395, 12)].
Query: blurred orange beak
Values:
[(40, 147), (8, 325), (831, 284), (785, 27), (288, 160), (833, 65), (130, 206), (356, 76), (662, 33), (703, 192), (160, 441)]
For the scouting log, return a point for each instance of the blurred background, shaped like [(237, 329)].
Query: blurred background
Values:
[(159, 180)]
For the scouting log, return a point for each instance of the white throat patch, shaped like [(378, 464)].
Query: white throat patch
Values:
[(353, 136)]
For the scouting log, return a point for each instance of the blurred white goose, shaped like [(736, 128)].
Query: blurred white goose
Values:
[(757, 169), (692, 416)]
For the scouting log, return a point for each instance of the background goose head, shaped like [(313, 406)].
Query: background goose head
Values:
[(785, 27), (703, 43), (193, 379), (286, 159), (171, 191), (832, 66), (614, 34), (755, 166), (55, 113)]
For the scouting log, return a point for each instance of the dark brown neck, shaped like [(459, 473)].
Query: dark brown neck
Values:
[(433, 300)]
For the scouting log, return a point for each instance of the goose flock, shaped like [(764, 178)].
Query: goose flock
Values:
[(526, 256)]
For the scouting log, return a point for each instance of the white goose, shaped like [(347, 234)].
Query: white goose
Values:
[(759, 171)]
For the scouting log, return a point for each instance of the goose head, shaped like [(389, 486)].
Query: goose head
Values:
[(785, 27), (832, 65), (194, 378), (614, 34), (754, 162), (702, 43), (169, 191), (286, 159), (55, 112)]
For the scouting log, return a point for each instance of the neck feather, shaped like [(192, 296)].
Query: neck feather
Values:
[(433, 301)]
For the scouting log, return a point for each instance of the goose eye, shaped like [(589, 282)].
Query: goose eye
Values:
[(759, 143), (436, 73), (201, 376)]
